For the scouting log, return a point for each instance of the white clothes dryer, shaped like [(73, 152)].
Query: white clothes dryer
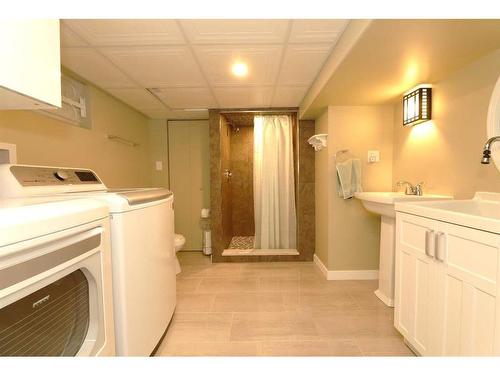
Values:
[(55, 278), (142, 247)]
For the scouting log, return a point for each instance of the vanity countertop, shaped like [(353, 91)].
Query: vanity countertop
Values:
[(482, 212)]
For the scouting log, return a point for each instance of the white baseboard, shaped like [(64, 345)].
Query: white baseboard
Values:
[(347, 274), (381, 296), (320, 266)]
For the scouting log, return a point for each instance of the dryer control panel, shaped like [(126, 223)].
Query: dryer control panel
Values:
[(46, 176), (17, 180)]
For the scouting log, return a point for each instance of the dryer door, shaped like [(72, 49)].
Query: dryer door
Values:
[(53, 321), (51, 296)]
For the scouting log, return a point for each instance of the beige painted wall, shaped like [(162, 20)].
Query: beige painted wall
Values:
[(43, 140), (321, 192), (355, 233), (347, 236), (188, 149), (445, 153)]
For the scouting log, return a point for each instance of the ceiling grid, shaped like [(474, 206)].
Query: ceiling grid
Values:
[(188, 63)]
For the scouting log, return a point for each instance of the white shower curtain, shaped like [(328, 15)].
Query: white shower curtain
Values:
[(273, 183)]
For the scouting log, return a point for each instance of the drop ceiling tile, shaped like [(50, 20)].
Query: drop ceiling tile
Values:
[(155, 113), (69, 38), (157, 66), (302, 63), (186, 97), (188, 115), (175, 115), (243, 97), (316, 31), (235, 31), (137, 98), (262, 61), (288, 96), (89, 64), (127, 32)]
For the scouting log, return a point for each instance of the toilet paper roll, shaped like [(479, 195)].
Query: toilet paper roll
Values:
[(205, 212)]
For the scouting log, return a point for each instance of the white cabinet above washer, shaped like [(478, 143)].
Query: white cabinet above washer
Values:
[(30, 66)]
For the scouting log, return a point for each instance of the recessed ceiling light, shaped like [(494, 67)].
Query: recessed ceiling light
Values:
[(239, 69)]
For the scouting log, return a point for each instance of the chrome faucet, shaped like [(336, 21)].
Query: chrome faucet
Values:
[(487, 149), (410, 188)]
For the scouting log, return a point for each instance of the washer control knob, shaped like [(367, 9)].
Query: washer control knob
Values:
[(61, 175)]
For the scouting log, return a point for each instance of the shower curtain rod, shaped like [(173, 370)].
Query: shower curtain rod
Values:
[(257, 111)]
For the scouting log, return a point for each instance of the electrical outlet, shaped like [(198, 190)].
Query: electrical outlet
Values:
[(373, 156), (159, 165)]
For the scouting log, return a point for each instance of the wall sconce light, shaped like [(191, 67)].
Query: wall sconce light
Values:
[(417, 105)]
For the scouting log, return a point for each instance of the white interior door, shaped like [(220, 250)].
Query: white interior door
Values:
[(189, 171)]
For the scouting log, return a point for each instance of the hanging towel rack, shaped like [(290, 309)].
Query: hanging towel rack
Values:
[(124, 141)]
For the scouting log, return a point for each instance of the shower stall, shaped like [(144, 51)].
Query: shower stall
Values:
[(257, 176)]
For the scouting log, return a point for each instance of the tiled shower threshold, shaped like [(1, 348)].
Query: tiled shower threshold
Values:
[(254, 252), (243, 245)]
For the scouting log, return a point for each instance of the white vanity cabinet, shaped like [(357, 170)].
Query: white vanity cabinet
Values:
[(30, 64), (446, 287)]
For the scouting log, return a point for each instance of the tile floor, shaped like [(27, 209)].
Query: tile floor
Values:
[(276, 309)]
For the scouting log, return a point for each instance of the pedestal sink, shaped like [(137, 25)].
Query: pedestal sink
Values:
[(382, 203)]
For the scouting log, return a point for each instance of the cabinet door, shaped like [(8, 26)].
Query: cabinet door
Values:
[(467, 282), (30, 67), (415, 279)]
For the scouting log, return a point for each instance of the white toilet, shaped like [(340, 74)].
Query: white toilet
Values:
[(179, 242)]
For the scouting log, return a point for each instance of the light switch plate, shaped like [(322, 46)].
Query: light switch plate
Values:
[(159, 165), (373, 156)]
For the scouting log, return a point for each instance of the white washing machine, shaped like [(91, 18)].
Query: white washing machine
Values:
[(142, 247), (55, 278)]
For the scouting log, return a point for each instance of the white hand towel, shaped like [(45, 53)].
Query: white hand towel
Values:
[(348, 178)]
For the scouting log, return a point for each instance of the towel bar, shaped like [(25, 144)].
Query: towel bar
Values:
[(122, 140)]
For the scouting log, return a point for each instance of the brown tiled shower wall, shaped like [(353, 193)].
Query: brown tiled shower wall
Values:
[(227, 201), (232, 207), (218, 242), (305, 196), (243, 223)]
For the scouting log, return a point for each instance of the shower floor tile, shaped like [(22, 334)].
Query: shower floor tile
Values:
[(242, 242)]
